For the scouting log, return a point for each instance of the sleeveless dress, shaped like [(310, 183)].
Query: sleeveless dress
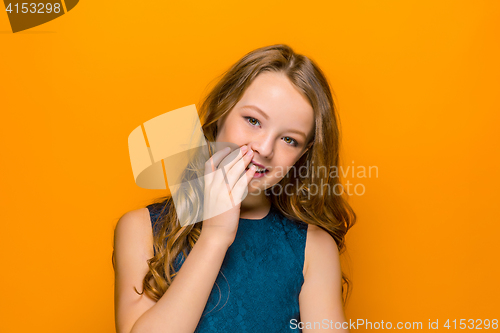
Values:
[(258, 285)]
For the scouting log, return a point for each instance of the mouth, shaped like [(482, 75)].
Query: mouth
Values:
[(260, 168)]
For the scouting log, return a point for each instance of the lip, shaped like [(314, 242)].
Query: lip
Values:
[(260, 165), (257, 174)]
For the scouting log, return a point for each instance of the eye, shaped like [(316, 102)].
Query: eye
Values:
[(252, 121), (290, 141)]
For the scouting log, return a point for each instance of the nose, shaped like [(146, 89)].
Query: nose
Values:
[(263, 145)]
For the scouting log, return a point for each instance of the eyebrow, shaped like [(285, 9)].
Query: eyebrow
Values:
[(267, 118)]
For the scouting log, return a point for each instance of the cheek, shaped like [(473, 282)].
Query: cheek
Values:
[(231, 132), (288, 160), (284, 166)]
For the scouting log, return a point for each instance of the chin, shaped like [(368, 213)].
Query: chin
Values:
[(256, 189), (259, 187)]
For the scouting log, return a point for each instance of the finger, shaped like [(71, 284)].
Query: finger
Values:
[(238, 168), (230, 160), (214, 161), (220, 162), (240, 189), (227, 163)]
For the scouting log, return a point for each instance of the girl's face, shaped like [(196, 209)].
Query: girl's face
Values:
[(273, 119)]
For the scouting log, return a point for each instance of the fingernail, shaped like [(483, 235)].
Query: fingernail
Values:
[(244, 149), (250, 152)]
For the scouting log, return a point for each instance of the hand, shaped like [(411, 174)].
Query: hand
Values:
[(222, 200)]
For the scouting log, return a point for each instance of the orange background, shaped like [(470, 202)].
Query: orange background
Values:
[(417, 84)]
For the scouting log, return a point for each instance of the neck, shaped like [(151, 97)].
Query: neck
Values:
[(255, 206)]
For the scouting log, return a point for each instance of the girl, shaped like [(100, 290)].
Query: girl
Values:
[(270, 263)]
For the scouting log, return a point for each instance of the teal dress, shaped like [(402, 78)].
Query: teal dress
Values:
[(258, 285)]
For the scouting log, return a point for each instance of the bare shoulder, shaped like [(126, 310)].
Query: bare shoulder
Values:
[(321, 249), (321, 295), (133, 247), (134, 229), (133, 218)]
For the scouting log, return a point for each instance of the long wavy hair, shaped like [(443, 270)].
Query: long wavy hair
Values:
[(328, 210)]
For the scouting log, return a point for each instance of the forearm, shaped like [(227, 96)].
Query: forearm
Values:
[(180, 308)]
